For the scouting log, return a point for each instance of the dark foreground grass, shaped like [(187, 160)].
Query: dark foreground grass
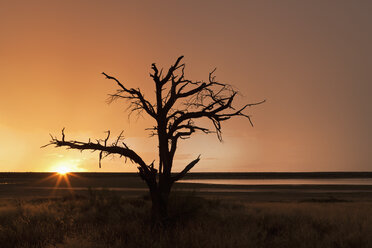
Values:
[(103, 219)]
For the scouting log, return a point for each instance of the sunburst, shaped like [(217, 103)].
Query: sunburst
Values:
[(63, 170)]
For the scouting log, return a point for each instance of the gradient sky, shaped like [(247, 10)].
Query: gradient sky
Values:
[(311, 60)]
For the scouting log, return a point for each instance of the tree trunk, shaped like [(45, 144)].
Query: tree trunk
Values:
[(159, 197)]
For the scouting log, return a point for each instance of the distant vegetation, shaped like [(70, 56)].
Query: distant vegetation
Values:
[(103, 219)]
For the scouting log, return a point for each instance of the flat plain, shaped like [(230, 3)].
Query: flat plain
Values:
[(112, 210)]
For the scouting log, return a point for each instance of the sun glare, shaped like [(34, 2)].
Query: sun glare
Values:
[(66, 167), (63, 170)]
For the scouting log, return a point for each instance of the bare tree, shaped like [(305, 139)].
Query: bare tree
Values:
[(180, 103)]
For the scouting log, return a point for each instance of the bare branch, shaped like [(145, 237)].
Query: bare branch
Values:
[(212, 100), (108, 136), (186, 169), (134, 95), (171, 70), (118, 138), (104, 149)]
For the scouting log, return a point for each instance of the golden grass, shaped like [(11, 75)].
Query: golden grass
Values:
[(103, 219)]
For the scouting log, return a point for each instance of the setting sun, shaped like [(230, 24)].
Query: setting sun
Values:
[(65, 167), (63, 170)]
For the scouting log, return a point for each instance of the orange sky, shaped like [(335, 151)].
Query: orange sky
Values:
[(311, 61)]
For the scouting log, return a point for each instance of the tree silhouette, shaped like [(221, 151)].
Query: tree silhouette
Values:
[(180, 103)]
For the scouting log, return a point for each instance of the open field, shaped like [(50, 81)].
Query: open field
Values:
[(33, 213), (31, 185), (104, 219)]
